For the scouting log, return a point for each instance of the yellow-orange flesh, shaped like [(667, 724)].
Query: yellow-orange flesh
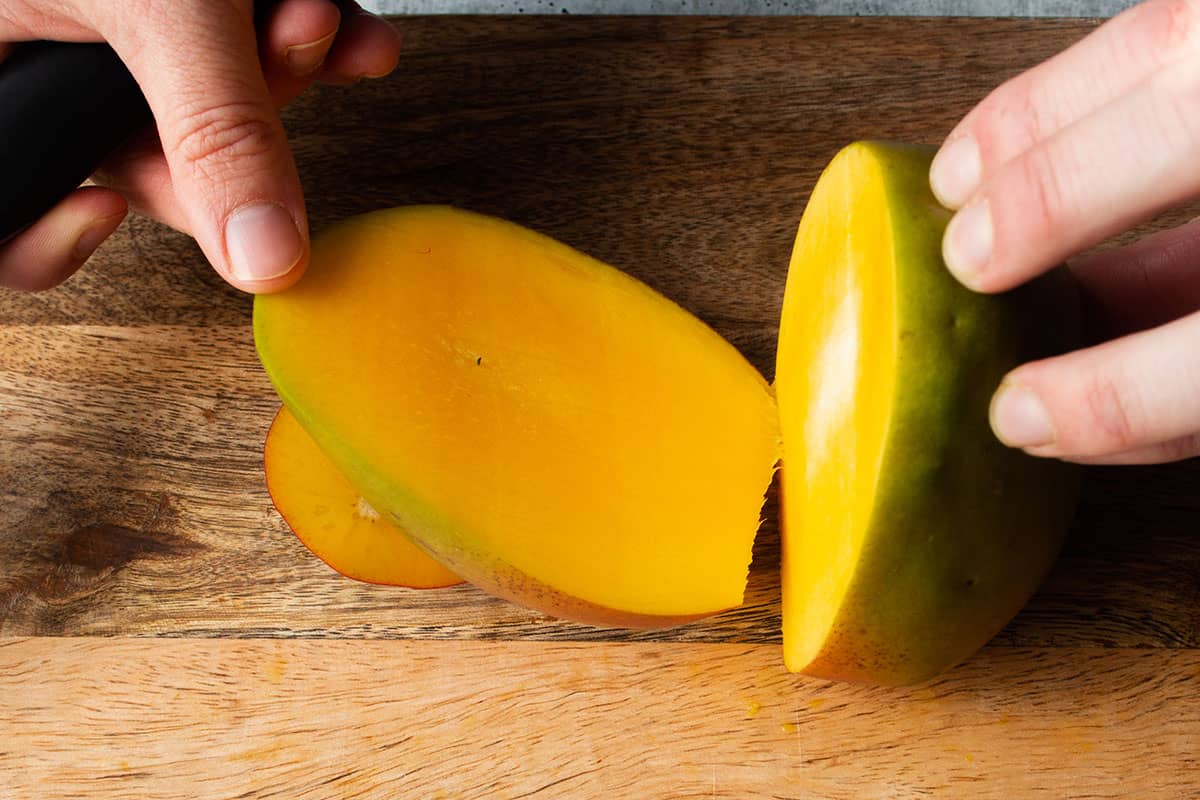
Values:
[(334, 521), (834, 382), (556, 431)]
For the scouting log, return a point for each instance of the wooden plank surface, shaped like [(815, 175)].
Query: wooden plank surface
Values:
[(351, 719), (132, 504)]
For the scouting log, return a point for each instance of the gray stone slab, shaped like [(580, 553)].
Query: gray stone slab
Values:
[(964, 8)]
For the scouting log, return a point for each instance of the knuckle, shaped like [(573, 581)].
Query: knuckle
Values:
[(1031, 118), (1015, 119), (1112, 413), (1045, 189), (1172, 27), (213, 139), (1176, 123)]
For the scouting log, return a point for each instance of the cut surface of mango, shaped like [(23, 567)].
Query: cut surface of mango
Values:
[(836, 381), (911, 535), (554, 430), (334, 521)]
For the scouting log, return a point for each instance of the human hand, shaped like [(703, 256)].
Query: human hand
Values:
[(1084, 146), (217, 165)]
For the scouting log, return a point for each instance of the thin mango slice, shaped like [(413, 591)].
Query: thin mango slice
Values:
[(334, 521)]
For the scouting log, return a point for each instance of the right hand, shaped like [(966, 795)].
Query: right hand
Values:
[(1082, 147), (217, 165)]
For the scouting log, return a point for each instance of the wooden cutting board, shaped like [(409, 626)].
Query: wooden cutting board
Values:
[(165, 636)]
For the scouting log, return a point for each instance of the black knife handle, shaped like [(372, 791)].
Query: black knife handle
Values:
[(63, 109)]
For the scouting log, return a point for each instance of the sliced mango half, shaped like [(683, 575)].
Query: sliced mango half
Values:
[(910, 534), (551, 429)]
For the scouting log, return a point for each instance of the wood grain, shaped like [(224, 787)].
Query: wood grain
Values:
[(353, 719)]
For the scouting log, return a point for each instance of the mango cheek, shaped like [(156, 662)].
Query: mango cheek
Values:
[(910, 535), (546, 426)]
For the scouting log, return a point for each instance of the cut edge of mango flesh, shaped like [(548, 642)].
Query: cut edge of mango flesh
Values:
[(834, 384), (331, 518), (532, 406)]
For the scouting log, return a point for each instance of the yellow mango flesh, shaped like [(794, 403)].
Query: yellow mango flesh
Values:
[(911, 536), (551, 429), (334, 521), (836, 370)]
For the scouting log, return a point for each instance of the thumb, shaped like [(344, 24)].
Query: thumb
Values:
[(233, 174)]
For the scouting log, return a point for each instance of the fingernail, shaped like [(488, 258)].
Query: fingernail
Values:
[(263, 242), (967, 246), (94, 235), (1019, 419), (305, 59), (956, 172)]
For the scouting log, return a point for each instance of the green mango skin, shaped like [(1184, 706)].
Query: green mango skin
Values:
[(963, 529)]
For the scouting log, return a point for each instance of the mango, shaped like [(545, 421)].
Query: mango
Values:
[(544, 425), (911, 536), (564, 437), (334, 521)]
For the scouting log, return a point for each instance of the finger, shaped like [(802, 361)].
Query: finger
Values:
[(1064, 89), (25, 21), (139, 171), (225, 147), (367, 46), (294, 43), (1150, 282), (1121, 396), (53, 248), (1174, 450), (1103, 174)]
